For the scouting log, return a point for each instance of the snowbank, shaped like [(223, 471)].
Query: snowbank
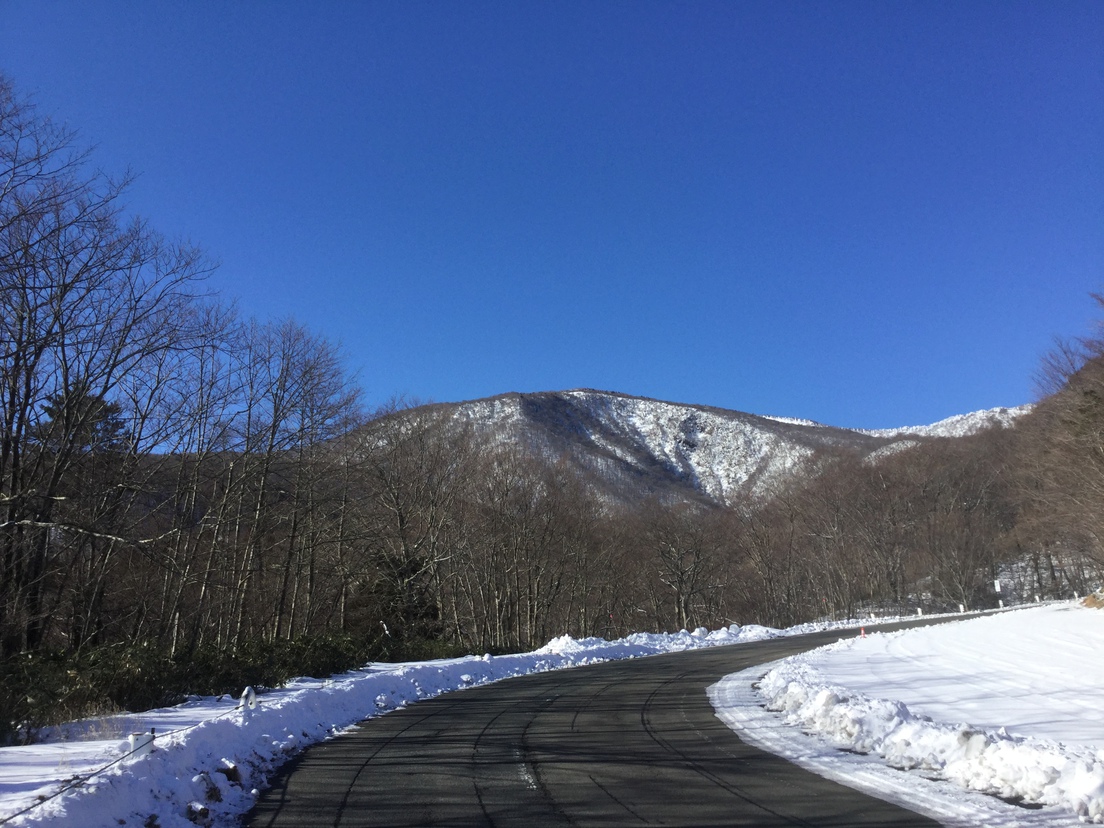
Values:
[(1034, 669), (211, 756), (1012, 767)]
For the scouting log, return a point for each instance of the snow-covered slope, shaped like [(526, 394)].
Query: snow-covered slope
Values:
[(960, 425), (635, 445), (632, 442)]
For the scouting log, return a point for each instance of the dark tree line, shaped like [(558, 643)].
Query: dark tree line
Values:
[(1061, 471), (185, 490)]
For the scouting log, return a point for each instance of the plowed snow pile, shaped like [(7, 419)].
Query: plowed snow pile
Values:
[(210, 755), (1010, 705)]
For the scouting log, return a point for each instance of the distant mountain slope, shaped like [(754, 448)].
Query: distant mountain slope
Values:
[(633, 446), (959, 425)]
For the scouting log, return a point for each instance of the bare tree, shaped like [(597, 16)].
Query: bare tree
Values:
[(83, 295)]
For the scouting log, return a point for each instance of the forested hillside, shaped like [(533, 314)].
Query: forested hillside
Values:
[(193, 501)]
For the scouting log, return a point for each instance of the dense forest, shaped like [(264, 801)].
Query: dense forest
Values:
[(193, 501)]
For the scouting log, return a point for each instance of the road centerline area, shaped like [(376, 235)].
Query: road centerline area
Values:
[(633, 742)]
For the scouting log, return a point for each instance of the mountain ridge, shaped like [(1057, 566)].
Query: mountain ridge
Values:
[(633, 446)]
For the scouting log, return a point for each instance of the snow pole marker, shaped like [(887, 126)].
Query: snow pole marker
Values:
[(248, 703), (141, 743)]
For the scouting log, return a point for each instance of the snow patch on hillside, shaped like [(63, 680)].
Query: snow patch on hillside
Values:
[(721, 455), (960, 425), (889, 450), (793, 421)]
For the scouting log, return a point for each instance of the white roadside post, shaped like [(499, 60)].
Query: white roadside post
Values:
[(248, 702), (141, 744)]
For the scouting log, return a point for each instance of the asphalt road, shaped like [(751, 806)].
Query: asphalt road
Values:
[(618, 744)]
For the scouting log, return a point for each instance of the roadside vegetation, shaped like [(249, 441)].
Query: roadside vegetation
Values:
[(192, 501)]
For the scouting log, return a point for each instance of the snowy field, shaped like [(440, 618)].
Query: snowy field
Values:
[(1011, 705), (900, 696)]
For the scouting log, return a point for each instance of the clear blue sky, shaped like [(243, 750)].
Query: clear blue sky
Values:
[(865, 213)]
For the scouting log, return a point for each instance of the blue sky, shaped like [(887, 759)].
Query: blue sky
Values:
[(867, 214)]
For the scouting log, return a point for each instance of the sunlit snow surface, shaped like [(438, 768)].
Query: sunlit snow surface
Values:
[(1011, 705), (211, 756), (1033, 672), (960, 425)]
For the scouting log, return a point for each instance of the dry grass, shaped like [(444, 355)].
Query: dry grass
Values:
[(1094, 601)]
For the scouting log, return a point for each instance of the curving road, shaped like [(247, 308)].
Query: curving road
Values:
[(623, 743)]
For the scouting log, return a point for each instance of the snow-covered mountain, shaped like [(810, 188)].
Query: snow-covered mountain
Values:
[(636, 446), (960, 425)]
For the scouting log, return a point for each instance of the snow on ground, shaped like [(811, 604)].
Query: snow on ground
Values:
[(210, 755), (1010, 705), (960, 425)]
